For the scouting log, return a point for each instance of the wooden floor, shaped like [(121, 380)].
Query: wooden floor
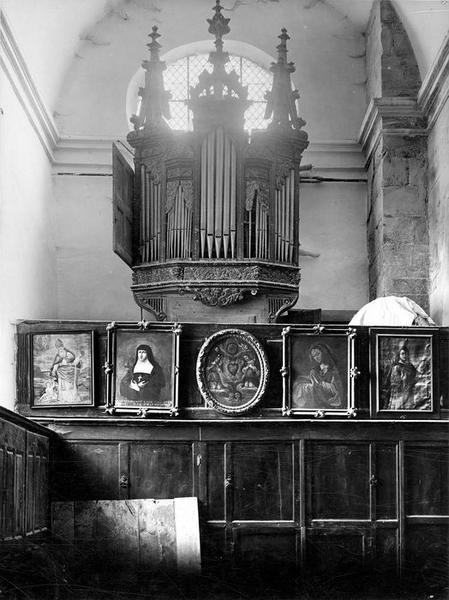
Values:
[(39, 582)]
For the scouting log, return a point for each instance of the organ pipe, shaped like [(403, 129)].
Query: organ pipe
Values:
[(218, 196)]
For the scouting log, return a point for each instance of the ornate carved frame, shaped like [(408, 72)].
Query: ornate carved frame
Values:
[(425, 336), (204, 388), (319, 332), (142, 328), (90, 358)]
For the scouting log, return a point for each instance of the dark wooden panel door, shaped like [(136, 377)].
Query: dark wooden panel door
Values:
[(338, 481), (261, 482), (426, 559), (336, 553), (161, 470), (249, 495), (266, 556), (87, 471), (426, 527), (427, 479), (338, 540)]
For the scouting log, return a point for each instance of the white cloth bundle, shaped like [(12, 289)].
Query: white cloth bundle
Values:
[(392, 311)]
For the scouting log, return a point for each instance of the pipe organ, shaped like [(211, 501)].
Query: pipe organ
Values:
[(214, 212), (218, 196)]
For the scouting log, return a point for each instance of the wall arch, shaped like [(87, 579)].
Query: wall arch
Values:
[(202, 47)]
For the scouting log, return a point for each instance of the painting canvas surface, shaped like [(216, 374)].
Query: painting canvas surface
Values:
[(233, 371), (144, 369), (319, 367), (62, 369), (405, 373)]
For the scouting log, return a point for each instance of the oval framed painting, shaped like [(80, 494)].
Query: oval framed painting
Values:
[(232, 371)]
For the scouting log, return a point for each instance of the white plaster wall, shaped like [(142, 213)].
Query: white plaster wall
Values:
[(27, 227), (93, 283), (328, 51), (41, 26), (438, 195), (333, 224)]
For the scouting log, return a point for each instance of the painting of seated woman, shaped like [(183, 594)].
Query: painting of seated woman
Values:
[(62, 369), (319, 367)]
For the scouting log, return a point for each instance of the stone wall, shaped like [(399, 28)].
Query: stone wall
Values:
[(405, 230), (400, 73), (394, 138)]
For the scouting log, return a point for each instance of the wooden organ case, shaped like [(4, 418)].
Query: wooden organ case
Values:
[(212, 215)]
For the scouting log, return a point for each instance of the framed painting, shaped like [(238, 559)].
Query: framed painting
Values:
[(403, 366), (319, 371), (62, 372), (142, 368), (232, 371)]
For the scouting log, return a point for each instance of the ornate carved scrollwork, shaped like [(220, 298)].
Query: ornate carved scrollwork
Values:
[(219, 296), (221, 272)]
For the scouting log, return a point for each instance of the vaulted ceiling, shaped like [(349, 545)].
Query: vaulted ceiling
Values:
[(83, 53)]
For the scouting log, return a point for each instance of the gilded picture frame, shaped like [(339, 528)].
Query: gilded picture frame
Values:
[(232, 371), (62, 369), (403, 367), (142, 368), (319, 371)]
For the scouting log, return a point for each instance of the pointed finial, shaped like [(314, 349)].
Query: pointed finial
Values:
[(282, 47), (219, 93), (154, 45), (281, 100), (154, 106), (218, 25)]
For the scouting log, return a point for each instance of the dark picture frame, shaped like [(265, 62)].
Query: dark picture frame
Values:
[(403, 369), (232, 371), (62, 369), (142, 368), (319, 371)]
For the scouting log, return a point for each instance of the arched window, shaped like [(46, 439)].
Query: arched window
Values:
[(183, 74), (185, 63)]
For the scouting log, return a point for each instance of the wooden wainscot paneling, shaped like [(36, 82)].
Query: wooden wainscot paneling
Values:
[(260, 477), (24, 458), (12, 460), (266, 556), (426, 526), (37, 483), (86, 471), (338, 481), (161, 470)]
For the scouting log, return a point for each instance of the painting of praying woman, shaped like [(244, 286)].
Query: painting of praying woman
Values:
[(319, 380)]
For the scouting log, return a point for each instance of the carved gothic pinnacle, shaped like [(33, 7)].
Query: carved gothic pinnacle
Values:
[(154, 106), (219, 26), (154, 45), (281, 100)]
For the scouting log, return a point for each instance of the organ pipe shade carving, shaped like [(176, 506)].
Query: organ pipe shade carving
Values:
[(212, 203)]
